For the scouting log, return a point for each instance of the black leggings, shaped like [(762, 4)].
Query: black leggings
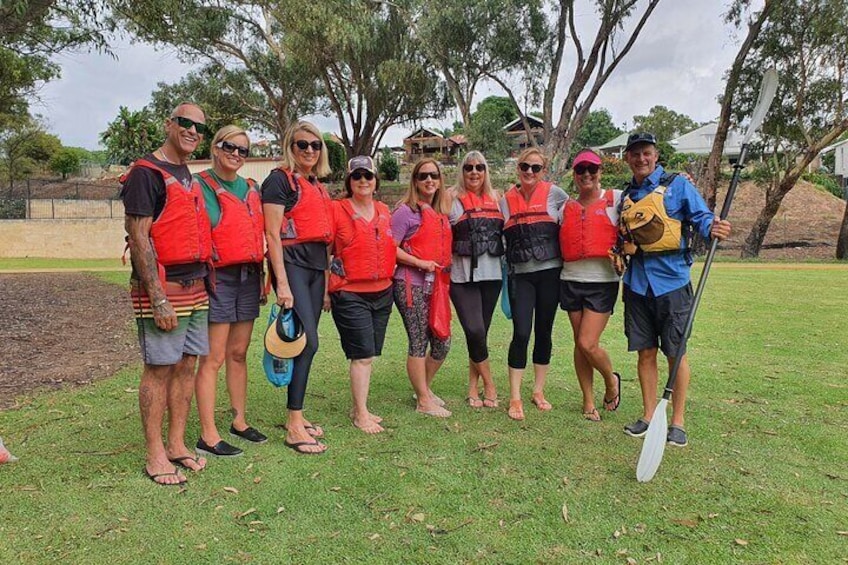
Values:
[(307, 287), (529, 292), (475, 303)]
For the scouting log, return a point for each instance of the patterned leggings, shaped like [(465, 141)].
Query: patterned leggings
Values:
[(416, 321)]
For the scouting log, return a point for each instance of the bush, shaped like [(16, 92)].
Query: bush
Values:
[(389, 166), (12, 208), (338, 160), (827, 182)]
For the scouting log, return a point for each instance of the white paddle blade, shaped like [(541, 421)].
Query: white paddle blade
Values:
[(653, 446), (767, 91)]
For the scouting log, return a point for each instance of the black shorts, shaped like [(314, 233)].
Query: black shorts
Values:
[(361, 318), (236, 295), (598, 296), (657, 321)]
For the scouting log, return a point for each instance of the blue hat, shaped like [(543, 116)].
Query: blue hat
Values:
[(640, 137)]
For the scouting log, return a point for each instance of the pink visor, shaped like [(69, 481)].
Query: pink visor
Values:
[(586, 156)]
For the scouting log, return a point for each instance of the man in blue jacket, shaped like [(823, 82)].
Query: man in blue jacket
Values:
[(657, 211)]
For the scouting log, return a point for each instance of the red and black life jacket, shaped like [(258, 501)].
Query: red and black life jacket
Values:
[(365, 251), (530, 232), (309, 219), (239, 236), (432, 241), (479, 229), (182, 233), (587, 233)]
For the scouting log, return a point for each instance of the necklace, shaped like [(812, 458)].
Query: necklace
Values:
[(165, 157)]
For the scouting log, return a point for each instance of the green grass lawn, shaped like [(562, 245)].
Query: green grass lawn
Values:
[(764, 479)]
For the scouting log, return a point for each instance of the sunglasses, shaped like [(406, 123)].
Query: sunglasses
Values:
[(230, 148), (362, 174), (580, 169), (469, 167), (186, 123), (303, 145), (527, 167), (423, 176)]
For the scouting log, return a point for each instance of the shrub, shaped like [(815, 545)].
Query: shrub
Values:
[(338, 159), (827, 182), (389, 166)]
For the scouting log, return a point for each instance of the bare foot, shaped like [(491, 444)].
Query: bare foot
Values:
[(368, 425), (435, 398), (474, 402), (433, 409), (540, 402), (516, 410), (164, 473), (592, 414), (490, 402), (374, 418)]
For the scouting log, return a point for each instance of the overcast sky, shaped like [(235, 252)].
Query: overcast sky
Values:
[(678, 61)]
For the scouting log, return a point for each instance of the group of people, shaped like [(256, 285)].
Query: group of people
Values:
[(198, 245)]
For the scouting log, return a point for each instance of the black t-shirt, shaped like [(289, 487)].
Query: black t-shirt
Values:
[(276, 189), (144, 195)]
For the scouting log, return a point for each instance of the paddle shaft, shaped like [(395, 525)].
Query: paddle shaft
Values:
[(702, 281)]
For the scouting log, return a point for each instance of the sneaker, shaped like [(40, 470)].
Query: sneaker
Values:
[(637, 429), (677, 436), (220, 449), (250, 434)]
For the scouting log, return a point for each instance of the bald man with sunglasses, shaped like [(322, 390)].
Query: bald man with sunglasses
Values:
[(169, 239)]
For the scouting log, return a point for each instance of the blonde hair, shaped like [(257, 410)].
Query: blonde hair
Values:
[(460, 189), (533, 151), (322, 168), (441, 200), (225, 133)]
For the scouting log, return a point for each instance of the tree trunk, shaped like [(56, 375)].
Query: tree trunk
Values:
[(842, 241), (709, 175), (754, 241)]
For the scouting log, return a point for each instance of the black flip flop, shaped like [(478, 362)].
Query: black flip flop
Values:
[(615, 402), (295, 446), (157, 475), (178, 461)]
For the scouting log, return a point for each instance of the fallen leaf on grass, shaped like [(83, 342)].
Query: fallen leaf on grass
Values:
[(565, 511), (741, 542), (374, 537), (231, 489), (712, 515), (842, 533), (621, 552), (631, 561), (246, 512), (257, 480), (335, 489), (417, 517), (200, 547), (130, 390), (280, 509)]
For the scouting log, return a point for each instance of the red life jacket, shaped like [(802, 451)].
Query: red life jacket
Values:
[(530, 232), (587, 233), (432, 241), (239, 236), (309, 219), (365, 251), (479, 229), (182, 232)]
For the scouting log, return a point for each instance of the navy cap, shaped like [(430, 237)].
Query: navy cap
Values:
[(640, 137)]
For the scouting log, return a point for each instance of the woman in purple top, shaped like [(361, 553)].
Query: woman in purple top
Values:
[(426, 187)]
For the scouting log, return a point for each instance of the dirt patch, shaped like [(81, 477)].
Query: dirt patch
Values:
[(61, 329), (805, 228)]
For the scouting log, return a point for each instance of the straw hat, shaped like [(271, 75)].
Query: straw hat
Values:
[(284, 338)]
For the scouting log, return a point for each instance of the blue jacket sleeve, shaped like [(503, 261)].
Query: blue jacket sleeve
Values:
[(689, 206)]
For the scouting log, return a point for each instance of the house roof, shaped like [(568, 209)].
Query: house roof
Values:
[(516, 125), (700, 141), (834, 146), (458, 139), (423, 132), (616, 142)]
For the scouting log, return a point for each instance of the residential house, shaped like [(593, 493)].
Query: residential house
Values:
[(700, 141), (519, 137), (614, 147)]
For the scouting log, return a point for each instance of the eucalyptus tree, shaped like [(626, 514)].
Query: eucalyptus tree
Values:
[(242, 40), (807, 41), (469, 41)]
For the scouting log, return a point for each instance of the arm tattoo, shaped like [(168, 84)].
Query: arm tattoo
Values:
[(143, 258)]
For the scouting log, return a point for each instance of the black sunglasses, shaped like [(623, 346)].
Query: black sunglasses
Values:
[(359, 174), (469, 167), (527, 166), (423, 176), (303, 145), (228, 147), (186, 123), (593, 169)]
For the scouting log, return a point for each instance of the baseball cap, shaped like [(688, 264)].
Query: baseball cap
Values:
[(640, 137), (361, 162), (586, 156)]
